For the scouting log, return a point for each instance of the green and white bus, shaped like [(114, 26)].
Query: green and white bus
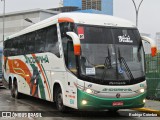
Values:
[(78, 60)]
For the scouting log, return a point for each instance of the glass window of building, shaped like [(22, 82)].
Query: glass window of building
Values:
[(91, 4)]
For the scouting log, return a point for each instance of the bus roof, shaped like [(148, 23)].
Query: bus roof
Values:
[(81, 18)]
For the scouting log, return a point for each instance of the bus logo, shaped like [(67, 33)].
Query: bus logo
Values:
[(118, 95), (125, 39), (37, 59)]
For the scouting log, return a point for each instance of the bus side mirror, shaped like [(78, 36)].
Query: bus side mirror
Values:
[(76, 42), (152, 43)]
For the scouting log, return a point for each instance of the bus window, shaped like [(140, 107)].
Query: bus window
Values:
[(21, 45), (71, 63), (52, 44), (40, 37), (14, 48), (66, 27), (30, 44)]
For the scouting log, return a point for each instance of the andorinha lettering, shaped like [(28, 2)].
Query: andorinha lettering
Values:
[(37, 59), (117, 89), (125, 39)]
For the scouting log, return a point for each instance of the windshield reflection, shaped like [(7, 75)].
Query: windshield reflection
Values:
[(111, 54)]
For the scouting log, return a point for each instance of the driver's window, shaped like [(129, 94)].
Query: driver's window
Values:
[(71, 63)]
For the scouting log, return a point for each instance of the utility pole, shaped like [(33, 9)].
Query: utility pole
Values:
[(3, 19), (137, 10)]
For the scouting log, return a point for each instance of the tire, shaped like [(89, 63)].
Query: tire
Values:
[(59, 101), (14, 91)]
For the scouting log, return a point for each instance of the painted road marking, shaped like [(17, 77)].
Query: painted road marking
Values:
[(147, 110)]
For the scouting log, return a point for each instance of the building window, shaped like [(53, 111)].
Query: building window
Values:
[(91, 4)]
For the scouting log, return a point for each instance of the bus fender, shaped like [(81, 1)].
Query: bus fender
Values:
[(61, 86)]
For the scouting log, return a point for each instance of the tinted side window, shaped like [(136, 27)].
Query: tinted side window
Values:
[(7, 47), (40, 38), (43, 40), (52, 44), (30, 44), (21, 44), (14, 48)]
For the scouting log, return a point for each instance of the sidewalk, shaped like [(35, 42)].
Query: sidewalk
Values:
[(151, 106)]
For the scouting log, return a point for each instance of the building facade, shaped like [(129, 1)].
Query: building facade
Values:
[(92, 6), (15, 22)]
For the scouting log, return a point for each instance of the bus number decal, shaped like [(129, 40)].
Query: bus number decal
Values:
[(81, 32)]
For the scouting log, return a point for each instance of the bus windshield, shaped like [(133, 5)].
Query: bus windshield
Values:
[(110, 53)]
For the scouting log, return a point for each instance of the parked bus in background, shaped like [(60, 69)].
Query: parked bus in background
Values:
[(78, 60)]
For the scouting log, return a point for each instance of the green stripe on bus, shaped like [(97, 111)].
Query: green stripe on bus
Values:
[(46, 77), (95, 102), (40, 84)]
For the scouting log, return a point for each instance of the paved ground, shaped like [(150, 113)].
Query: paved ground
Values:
[(153, 104), (47, 110)]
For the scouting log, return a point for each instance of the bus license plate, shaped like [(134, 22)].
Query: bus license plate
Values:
[(120, 103)]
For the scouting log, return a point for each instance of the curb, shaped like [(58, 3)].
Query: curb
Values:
[(148, 110)]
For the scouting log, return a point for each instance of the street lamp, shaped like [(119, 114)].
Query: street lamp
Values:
[(3, 18), (137, 10), (28, 20)]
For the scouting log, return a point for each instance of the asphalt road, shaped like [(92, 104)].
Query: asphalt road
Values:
[(29, 108)]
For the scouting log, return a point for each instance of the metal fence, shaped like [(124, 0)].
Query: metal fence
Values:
[(153, 76)]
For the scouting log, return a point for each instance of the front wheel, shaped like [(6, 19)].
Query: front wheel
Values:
[(59, 100)]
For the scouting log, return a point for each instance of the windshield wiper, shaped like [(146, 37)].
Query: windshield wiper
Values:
[(85, 60), (138, 51), (107, 64), (123, 62)]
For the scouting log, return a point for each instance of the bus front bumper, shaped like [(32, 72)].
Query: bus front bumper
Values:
[(91, 102)]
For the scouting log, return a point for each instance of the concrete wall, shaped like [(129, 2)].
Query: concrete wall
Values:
[(44, 15), (15, 23)]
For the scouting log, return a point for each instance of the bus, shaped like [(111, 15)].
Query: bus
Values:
[(78, 60)]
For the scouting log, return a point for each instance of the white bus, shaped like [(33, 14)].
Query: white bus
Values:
[(78, 60)]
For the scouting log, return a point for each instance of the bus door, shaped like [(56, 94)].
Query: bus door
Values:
[(72, 79)]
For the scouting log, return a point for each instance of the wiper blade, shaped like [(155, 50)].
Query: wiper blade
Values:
[(123, 62), (85, 59), (107, 65)]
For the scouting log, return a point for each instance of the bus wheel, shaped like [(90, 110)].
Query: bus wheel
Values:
[(14, 91), (59, 101)]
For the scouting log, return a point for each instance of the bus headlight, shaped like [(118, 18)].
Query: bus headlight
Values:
[(144, 101), (89, 91), (141, 90), (84, 102)]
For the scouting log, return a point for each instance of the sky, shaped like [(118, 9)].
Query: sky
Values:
[(149, 19)]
